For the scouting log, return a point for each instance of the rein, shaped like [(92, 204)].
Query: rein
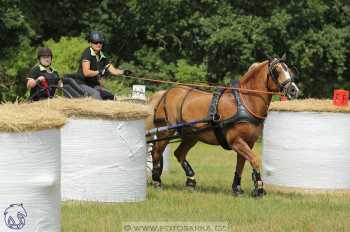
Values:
[(206, 86)]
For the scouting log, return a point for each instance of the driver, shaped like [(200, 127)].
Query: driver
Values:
[(93, 66)]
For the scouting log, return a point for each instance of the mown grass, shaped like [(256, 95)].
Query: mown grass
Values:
[(212, 201)]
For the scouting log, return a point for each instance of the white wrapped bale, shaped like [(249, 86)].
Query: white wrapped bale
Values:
[(30, 169), (104, 160), (103, 150), (307, 150)]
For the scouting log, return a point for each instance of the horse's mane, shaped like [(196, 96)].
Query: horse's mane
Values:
[(253, 69)]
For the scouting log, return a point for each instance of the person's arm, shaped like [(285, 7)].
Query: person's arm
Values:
[(60, 83), (102, 83), (35, 77), (59, 79), (30, 83), (87, 72), (115, 71)]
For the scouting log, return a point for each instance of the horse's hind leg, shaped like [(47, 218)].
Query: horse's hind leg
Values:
[(181, 153), (236, 185), (157, 155), (242, 148)]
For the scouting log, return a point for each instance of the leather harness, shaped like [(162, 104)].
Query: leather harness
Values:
[(219, 126), (242, 115)]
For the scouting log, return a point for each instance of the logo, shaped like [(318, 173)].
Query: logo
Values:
[(15, 216)]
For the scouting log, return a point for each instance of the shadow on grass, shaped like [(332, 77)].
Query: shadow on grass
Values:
[(180, 187)]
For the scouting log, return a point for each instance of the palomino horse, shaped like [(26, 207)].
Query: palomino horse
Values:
[(232, 119)]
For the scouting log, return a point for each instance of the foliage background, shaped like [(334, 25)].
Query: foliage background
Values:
[(179, 40)]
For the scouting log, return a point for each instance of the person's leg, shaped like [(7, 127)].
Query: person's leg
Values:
[(91, 92), (77, 91), (105, 94), (71, 91)]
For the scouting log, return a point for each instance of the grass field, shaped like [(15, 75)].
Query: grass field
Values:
[(212, 202)]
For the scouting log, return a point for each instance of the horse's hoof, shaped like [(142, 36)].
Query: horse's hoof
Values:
[(156, 184), (258, 192), (191, 184), (237, 191), (190, 189)]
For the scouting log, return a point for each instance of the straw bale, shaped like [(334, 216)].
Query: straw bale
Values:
[(91, 108), (26, 117), (308, 105)]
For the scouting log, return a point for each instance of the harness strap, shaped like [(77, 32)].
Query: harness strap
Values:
[(219, 133), (242, 115), (214, 117), (180, 120), (183, 102), (161, 100), (213, 108)]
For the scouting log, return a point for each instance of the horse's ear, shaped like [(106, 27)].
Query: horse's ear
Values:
[(269, 57), (294, 73), (284, 57)]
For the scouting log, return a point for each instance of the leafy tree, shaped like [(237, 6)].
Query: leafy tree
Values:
[(181, 40), (67, 52), (15, 35)]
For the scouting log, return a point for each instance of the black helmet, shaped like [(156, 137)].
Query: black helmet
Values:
[(44, 52), (96, 37)]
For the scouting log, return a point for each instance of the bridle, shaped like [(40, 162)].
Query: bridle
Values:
[(274, 75)]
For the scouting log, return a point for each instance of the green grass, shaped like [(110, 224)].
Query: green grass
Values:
[(212, 201)]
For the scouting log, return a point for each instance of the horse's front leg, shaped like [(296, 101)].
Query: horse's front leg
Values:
[(241, 147), (236, 185), (181, 153)]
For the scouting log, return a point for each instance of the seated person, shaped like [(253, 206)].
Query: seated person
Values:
[(43, 79), (42, 75), (93, 66)]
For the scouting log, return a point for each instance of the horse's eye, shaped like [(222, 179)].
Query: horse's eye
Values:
[(275, 72), (284, 66)]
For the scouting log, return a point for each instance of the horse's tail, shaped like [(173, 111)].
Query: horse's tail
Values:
[(154, 101)]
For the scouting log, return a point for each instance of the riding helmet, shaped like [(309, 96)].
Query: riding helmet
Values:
[(96, 37), (44, 52)]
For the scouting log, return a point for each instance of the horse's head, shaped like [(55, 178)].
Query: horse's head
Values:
[(283, 78)]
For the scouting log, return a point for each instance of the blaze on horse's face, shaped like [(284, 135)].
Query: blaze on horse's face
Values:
[(283, 78)]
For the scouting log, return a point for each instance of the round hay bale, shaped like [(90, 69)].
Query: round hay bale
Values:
[(30, 168), (103, 150), (306, 146)]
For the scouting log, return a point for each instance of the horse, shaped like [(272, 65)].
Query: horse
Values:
[(235, 119)]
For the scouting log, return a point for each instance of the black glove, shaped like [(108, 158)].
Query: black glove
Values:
[(103, 70), (127, 72)]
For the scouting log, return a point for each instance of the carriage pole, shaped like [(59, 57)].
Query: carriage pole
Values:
[(174, 127)]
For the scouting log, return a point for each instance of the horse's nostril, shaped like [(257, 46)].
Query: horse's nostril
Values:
[(294, 91)]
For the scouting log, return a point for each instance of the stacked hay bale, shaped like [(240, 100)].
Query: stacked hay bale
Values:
[(306, 146), (30, 168), (103, 150)]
